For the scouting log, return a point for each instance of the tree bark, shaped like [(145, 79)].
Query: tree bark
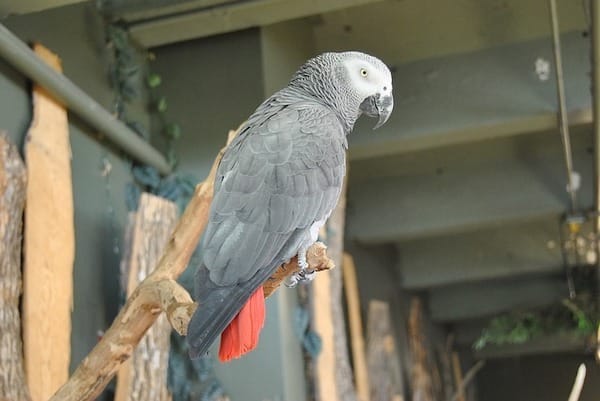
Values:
[(49, 243), (12, 200), (421, 379), (144, 376)]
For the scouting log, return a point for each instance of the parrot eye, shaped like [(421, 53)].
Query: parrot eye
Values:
[(363, 72)]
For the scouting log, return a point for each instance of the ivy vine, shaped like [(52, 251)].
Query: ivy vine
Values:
[(129, 76), (578, 317)]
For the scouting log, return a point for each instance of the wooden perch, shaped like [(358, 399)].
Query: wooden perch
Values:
[(12, 200), (159, 292)]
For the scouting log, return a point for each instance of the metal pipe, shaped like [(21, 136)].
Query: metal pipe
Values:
[(13, 50), (595, 35), (595, 44), (562, 105)]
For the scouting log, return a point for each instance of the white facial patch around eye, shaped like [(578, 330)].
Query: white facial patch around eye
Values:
[(365, 85)]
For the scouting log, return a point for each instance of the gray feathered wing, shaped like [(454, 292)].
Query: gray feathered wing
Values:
[(280, 175)]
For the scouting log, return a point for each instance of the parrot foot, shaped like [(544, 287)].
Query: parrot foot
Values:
[(300, 277), (305, 274)]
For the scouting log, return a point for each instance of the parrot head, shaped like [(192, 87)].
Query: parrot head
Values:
[(353, 83), (371, 80)]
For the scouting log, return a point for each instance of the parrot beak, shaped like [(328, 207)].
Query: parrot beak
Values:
[(378, 106)]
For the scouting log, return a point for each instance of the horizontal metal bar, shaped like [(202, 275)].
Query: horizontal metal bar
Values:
[(17, 53)]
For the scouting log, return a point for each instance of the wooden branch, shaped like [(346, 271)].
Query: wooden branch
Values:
[(49, 243), (159, 292), (12, 200), (578, 384), (469, 376), (317, 259)]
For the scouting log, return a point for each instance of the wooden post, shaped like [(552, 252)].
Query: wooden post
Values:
[(382, 355), (421, 378), (458, 377), (144, 375), (49, 244), (356, 330), (333, 374), (12, 201)]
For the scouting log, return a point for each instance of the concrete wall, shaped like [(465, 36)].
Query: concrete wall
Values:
[(100, 212)]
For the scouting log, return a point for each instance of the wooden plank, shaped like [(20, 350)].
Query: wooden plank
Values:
[(361, 372), (49, 244), (333, 374), (323, 325), (144, 375), (382, 355), (12, 200)]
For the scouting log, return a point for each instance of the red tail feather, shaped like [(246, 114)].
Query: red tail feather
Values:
[(241, 336)]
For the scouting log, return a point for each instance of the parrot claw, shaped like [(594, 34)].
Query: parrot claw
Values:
[(302, 276), (305, 274)]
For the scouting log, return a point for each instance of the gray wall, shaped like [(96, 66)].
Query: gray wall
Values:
[(100, 212)]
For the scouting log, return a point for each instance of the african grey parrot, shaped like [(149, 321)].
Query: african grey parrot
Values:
[(275, 187)]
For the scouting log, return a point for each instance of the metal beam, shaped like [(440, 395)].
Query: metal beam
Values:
[(229, 18), (511, 251), (562, 104), (17, 53), (472, 301)]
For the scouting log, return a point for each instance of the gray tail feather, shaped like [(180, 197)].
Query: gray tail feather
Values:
[(217, 306)]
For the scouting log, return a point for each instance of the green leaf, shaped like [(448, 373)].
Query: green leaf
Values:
[(154, 80), (173, 130), (161, 105)]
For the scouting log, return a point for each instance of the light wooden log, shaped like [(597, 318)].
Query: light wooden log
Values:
[(382, 355), (12, 200), (49, 243), (356, 329), (144, 375), (159, 292), (333, 374)]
